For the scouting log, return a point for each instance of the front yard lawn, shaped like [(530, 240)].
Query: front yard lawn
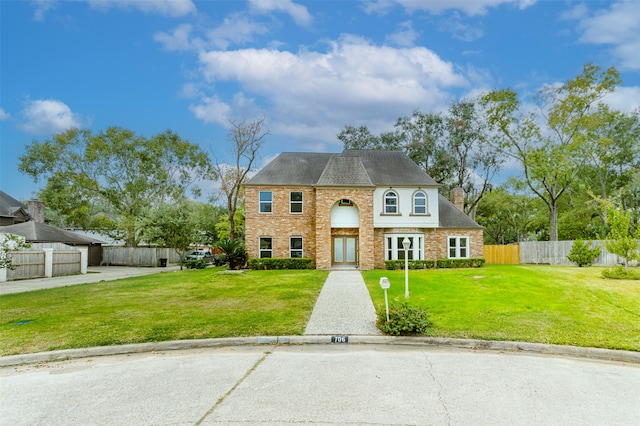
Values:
[(544, 304), (192, 304)]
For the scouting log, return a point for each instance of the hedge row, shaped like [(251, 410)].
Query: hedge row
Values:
[(280, 263), (431, 264)]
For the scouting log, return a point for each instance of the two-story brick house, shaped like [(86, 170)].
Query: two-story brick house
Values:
[(353, 209)]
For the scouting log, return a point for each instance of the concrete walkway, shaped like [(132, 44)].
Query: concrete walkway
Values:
[(344, 307)]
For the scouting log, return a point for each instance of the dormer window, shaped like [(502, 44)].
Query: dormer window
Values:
[(390, 202)]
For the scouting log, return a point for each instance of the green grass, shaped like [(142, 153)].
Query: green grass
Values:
[(192, 304), (544, 304)]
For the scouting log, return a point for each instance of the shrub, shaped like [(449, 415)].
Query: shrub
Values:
[(280, 263), (582, 254), (440, 263), (234, 253), (404, 320), (620, 273), (195, 264)]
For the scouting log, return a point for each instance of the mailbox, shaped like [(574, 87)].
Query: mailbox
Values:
[(384, 283)]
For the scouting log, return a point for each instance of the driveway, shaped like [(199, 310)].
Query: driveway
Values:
[(94, 274), (322, 384)]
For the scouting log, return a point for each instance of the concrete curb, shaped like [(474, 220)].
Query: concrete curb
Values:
[(488, 345)]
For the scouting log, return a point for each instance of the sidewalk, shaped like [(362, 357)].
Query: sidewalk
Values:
[(94, 274), (344, 307)]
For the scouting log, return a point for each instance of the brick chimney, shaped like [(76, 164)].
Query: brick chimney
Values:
[(36, 210), (457, 198)]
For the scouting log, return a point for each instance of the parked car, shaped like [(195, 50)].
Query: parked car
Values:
[(200, 255), (203, 255)]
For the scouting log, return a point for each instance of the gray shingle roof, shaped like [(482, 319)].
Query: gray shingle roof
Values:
[(9, 206), (40, 233), (451, 217), (349, 168), (344, 171)]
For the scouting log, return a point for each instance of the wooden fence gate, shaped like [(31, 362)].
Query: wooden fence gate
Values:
[(502, 255)]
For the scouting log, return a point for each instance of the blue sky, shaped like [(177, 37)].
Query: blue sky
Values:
[(308, 67)]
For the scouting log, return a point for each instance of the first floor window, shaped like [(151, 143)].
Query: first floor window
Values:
[(295, 247), (458, 247), (394, 250), (266, 247)]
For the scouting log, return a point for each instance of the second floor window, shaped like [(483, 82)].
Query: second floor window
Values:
[(391, 202), (419, 203), (266, 201), (295, 202)]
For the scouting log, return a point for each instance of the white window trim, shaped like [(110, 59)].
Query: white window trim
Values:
[(384, 203), (426, 203), (417, 246), (260, 202), (458, 246), (301, 202), (260, 249), (291, 249)]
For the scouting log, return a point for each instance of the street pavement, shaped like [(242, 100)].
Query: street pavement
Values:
[(322, 385), (320, 379)]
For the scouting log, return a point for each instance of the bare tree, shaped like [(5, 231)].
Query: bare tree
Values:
[(246, 138)]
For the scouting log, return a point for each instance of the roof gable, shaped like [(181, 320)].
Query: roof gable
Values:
[(10, 207)]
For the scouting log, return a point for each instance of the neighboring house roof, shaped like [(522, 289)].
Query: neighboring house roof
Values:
[(349, 168), (10, 207), (451, 217), (35, 232)]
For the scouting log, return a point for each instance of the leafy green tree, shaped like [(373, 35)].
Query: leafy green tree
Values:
[(452, 148), (622, 240), (507, 215), (551, 144), (173, 226), (122, 171), (582, 254)]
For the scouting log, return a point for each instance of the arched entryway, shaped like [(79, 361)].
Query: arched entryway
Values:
[(345, 223)]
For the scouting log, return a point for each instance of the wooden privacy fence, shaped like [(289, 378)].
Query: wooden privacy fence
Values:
[(502, 255), (138, 256), (31, 264), (556, 252)]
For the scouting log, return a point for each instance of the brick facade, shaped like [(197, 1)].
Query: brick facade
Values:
[(314, 226)]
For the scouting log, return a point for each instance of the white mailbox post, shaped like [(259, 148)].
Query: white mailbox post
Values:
[(385, 284)]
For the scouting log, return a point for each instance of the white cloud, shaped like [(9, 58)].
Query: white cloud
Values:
[(354, 81), (48, 116), (4, 115), (460, 30), (236, 29), (405, 36), (42, 6), (212, 110), (298, 13), (178, 40), (172, 8), (618, 26), (624, 99), (469, 7)]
